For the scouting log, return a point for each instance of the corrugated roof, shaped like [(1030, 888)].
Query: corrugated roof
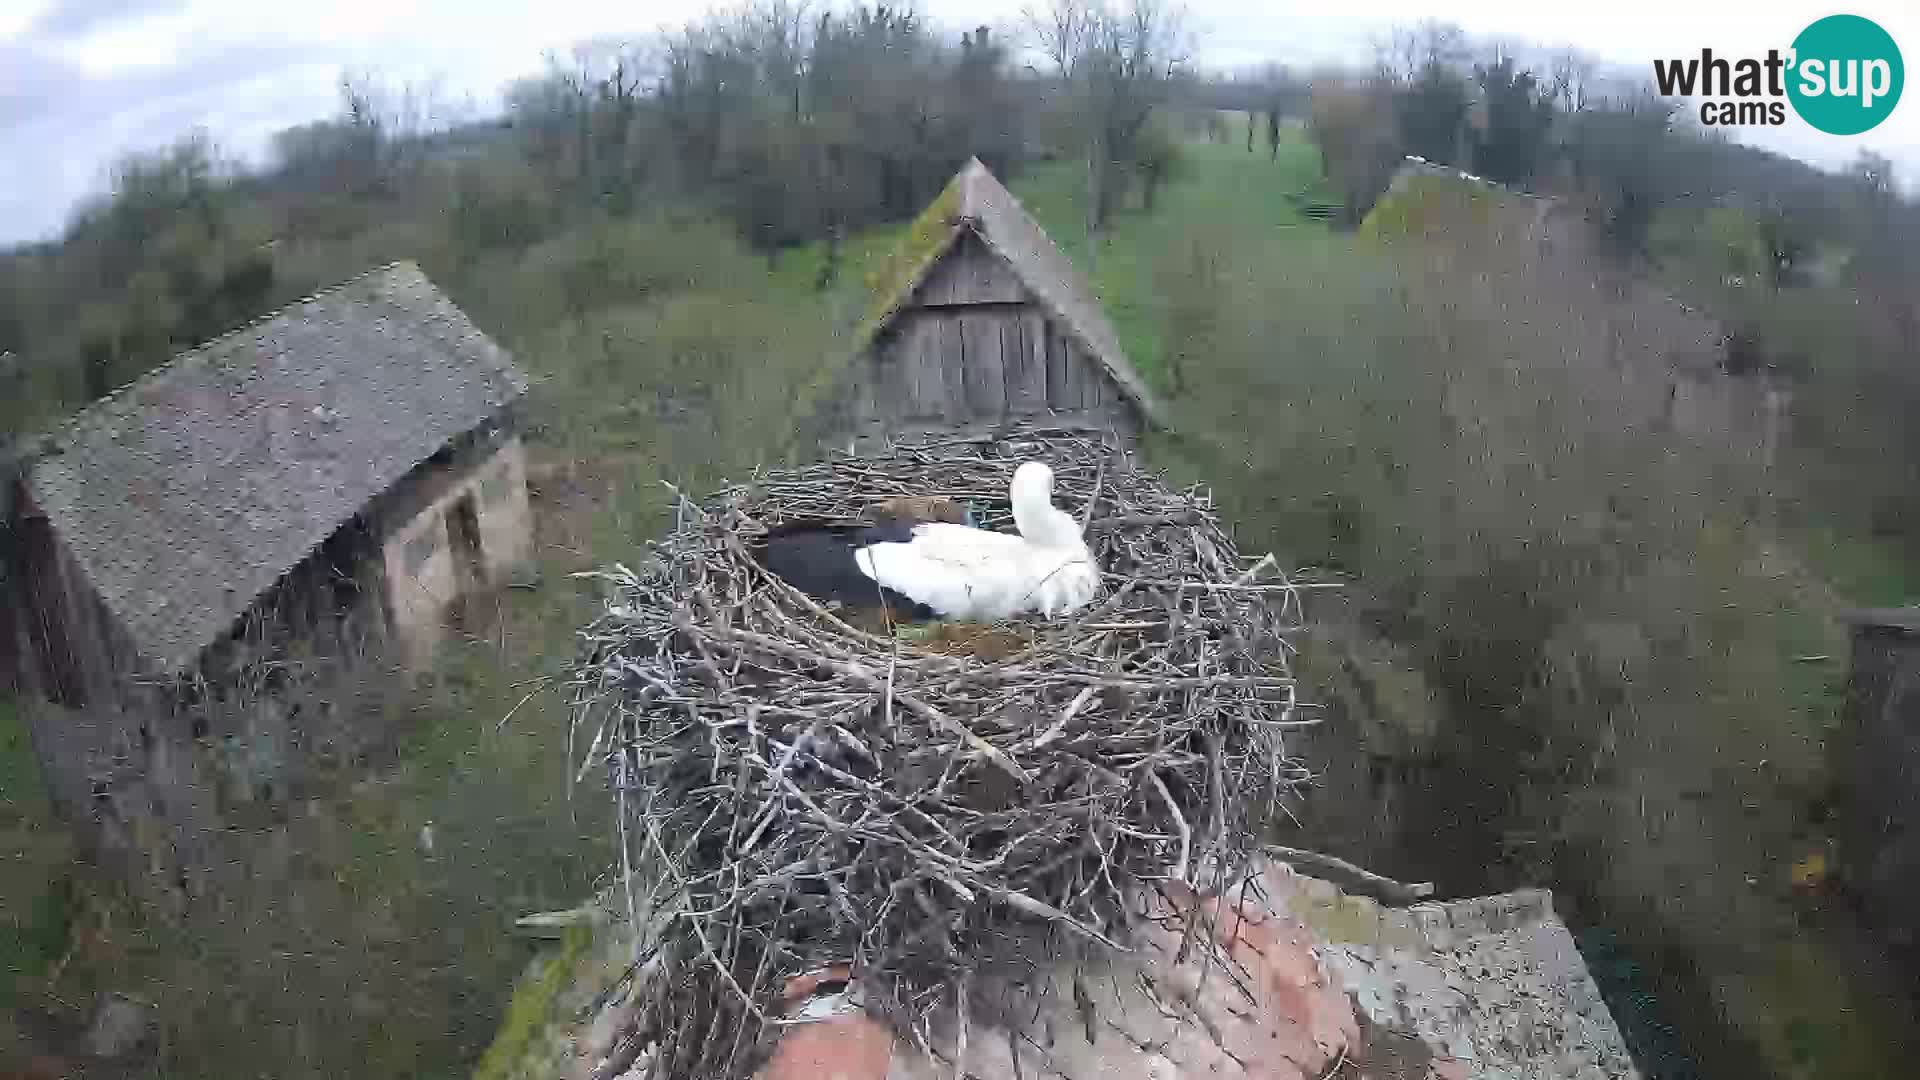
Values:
[(187, 494), (975, 201)]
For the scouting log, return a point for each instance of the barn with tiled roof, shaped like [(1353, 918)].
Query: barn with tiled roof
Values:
[(352, 456)]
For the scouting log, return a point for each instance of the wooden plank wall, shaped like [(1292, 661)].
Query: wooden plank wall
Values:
[(78, 652), (975, 348), (1883, 711), (1023, 340), (970, 274), (16, 650)]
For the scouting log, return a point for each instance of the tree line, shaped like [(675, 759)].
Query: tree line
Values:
[(1555, 121), (1815, 275), (795, 125), (799, 126)]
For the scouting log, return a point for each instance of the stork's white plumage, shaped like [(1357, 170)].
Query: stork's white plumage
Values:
[(977, 574)]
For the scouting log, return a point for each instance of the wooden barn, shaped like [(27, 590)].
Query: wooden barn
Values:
[(1884, 724), (341, 472), (978, 319)]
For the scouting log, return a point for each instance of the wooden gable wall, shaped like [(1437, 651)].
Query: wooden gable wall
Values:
[(974, 347)]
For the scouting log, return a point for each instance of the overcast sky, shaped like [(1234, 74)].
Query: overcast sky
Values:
[(84, 80)]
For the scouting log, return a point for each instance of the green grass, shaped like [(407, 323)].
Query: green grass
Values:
[(1539, 575), (1613, 645), (1223, 189), (365, 952), (1861, 572), (37, 897), (660, 351), (21, 792), (401, 956)]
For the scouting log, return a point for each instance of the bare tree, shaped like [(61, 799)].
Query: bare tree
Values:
[(1353, 123), (1405, 51), (1502, 48), (1571, 74), (581, 115), (1115, 65), (1064, 30), (1872, 176), (1394, 54), (364, 121), (380, 125)]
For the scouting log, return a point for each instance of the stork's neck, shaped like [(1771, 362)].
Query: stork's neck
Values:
[(1038, 521)]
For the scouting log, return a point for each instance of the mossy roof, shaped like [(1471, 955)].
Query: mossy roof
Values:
[(974, 201)]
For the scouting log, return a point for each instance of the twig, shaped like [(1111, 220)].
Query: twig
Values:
[(1179, 823), (1353, 878), (1253, 571), (804, 792), (1229, 586), (867, 680), (1086, 512), (1066, 717), (1142, 521)]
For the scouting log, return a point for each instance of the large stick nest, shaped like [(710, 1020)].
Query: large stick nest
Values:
[(934, 809)]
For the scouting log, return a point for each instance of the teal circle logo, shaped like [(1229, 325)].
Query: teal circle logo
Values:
[(1846, 75)]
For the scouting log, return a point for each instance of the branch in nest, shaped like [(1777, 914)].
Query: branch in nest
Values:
[(1350, 877), (1143, 521), (814, 793)]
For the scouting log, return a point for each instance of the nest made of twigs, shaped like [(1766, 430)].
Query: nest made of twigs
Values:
[(797, 791)]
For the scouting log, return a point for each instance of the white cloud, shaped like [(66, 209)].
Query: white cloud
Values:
[(16, 18), (154, 42)]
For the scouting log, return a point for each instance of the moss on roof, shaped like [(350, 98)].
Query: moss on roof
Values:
[(926, 239), (1419, 203), (973, 200), (533, 1027)]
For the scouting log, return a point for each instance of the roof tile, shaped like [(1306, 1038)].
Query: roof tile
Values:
[(188, 493)]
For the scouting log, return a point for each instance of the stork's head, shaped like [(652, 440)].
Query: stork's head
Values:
[(1033, 510), (1033, 479)]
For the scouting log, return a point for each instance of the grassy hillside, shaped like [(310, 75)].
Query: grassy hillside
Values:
[(371, 934), (1566, 627), (1567, 634), (37, 885), (1151, 263), (660, 349), (1590, 661)]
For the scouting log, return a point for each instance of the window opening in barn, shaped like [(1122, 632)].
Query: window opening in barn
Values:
[(463, 531), (47, 607)]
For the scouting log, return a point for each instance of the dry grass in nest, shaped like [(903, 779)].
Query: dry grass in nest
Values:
[(982, 641), (798, 792)]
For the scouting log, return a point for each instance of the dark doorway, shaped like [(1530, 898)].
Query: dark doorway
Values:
[(463, 533), (50, 634)]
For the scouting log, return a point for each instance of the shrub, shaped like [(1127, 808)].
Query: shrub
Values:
[(1354, 124)]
